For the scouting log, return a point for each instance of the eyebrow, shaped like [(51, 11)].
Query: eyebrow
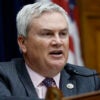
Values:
[(65, 29)]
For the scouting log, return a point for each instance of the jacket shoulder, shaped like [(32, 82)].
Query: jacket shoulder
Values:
[(9, 66)]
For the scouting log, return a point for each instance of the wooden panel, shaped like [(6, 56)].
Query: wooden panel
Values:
[(91, 40), (88, 39), (87, 96), (89, 5), (90, 32), (98, 49)]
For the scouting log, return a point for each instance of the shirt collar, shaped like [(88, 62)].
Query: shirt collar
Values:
[(37, 78)]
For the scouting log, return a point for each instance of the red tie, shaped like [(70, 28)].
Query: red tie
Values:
[(49, 82)]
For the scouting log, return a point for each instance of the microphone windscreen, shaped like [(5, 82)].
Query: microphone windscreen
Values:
[(54, 93)]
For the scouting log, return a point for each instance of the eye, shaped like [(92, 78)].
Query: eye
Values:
[(46, 34), (63, 34)]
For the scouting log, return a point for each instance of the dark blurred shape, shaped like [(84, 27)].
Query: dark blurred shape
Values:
[(54, 93), (8, 33)]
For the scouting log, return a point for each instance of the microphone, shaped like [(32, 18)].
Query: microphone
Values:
[(54, 93), (73, 71)]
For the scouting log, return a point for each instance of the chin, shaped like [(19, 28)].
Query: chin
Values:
[(58, 65)]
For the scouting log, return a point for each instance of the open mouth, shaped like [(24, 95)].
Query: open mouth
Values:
[(56, 52)]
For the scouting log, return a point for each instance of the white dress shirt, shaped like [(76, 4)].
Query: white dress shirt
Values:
[(37, 79)]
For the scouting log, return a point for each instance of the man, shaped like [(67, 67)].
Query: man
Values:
[(43, 38)]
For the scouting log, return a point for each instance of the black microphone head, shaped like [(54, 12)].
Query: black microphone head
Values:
[(80, 71), (71, 70)]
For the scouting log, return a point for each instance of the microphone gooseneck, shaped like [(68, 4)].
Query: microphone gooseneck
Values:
[(73, 71)]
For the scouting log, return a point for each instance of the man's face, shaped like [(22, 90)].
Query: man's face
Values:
[(46, 46)]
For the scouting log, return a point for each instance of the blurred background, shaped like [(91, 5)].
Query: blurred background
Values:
[(84, 30)]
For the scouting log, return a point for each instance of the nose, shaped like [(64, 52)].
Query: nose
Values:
[(57, 41)]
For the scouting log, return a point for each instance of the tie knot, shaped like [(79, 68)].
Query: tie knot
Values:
[(49, 82)]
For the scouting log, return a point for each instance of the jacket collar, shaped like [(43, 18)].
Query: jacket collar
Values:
[(24, 77), (67, 83)]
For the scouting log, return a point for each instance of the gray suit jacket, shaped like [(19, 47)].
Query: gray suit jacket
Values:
[(15, 83)]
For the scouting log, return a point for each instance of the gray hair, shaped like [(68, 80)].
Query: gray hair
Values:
[(30, 11)]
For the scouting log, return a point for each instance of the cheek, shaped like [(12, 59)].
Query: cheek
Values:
[(37, 45), (40, 47), (66, 47), (66, 44)]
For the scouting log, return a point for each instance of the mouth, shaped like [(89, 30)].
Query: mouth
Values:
[(56, 53)]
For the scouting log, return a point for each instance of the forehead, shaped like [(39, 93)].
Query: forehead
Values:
[(50, 19), (50, 14)]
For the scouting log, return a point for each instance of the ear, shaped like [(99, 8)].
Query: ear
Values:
[(21, 43)]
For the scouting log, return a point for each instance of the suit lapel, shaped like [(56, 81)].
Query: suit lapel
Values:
[(25, 79), (30, 90), (67, 84)]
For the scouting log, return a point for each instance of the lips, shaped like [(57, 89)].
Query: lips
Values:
[(56, 52)]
